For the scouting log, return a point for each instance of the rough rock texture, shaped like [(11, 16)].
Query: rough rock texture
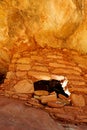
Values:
[(24, 86), (78, 39), (46, 63), (78, 100), (56, 24), (14, 115), (29, 21), (28, 25)]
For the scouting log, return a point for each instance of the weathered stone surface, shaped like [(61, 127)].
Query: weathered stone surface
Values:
[(24, 86), (39, 75), (78, 83), (25, 67), (61, 28), (3, 24), (24, 61), (34, 102), (65, 71), (55, 104), (46, 99), (4, 59), (50, 25), (21, 74), (79, 37), (41, 93), (14, 113), (77, 100), (36, 57), (40, 68), (78, 90), (10, 75)]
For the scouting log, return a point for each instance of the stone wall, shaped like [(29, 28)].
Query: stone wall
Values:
[(28, 66)]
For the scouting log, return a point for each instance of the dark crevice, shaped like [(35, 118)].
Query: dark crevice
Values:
[(2, 77), (50, 86)]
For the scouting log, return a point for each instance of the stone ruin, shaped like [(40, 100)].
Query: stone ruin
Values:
[(27, 66), (44, 50)]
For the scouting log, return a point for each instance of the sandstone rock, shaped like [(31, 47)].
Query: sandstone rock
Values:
[(34, 102), (77, 83), (62, 97), (57, 77), (55, 110), (57, 65), (23, 67), (80, 37), (46, 99), (78, 90), (21, 73), (15, 96), (16, 56), (22, 95), (36, 58), (55, 57), (39, 75), (55, 104), (10, 75), (37, 97), (60, 26), (24, 61), (4, 59), (12, 67), (75, 77), (23, 98), (3, 23), (24, 86), (10, 93), (41, 93), (65, 71), (85, 75), (65, 117), (77, 100), (40, 68)]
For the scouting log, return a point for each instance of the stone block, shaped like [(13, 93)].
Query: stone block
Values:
[(46, 99), (41, 93), (23, 60), (23, 67), (78, 100), (24, 86)]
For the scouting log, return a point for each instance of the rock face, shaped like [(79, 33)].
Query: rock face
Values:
[(29, 21), (31, 118), (78, 39), (54, 20), (55, 24), (34, 36)]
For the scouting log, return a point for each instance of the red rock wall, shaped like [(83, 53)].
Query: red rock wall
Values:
[(57, 23)]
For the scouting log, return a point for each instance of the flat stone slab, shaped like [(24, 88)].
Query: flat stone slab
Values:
[(14, 115)]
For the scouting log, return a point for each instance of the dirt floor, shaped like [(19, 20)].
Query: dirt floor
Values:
[(14, 115)]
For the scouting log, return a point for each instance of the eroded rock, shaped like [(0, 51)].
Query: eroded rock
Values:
[(78, 100), (24, 86)]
